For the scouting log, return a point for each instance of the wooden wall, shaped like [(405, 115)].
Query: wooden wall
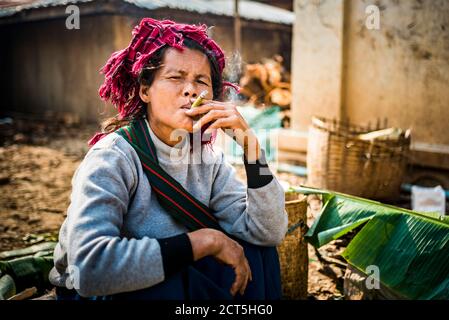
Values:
[(46, 67)]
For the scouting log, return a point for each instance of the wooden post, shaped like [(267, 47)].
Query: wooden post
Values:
[(237, 28)]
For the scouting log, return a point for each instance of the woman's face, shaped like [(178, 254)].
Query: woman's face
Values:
[(182, 77)]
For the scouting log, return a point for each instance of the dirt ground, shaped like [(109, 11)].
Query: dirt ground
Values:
[(37, 162)]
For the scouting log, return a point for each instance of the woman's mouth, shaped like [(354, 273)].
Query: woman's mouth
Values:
[(186, 106)]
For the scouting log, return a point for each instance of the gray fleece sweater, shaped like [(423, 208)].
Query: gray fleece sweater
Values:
[(109, 241)]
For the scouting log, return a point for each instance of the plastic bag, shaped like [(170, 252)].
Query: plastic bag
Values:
[(429, 199)]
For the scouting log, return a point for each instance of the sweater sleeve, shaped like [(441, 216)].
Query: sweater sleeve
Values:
[(258, 174), (255, 214), (176, 253), (106, 262)]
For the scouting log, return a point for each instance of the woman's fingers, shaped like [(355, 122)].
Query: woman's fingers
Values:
[(211, 116), (222, 114), (242, 274), (231, 253), (222, 123), (248, 278), (205, 108), (250, 274), (241, 282), (243, 287)]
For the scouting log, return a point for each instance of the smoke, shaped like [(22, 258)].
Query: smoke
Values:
[(233, 73)]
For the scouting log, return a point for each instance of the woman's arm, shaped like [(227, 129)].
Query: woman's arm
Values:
[(256, 212), (107, 262)]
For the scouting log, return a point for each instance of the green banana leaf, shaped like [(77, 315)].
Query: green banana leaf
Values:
[(410, 249), (410, 252), (25, 268), (32, 238), (7, 287), (342, 213), (28, 271), (37, 248)]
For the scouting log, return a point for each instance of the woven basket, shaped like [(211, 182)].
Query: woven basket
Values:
[(293, 250), (338, 160)]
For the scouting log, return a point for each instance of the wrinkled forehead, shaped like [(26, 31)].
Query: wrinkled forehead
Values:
[(189, 60)]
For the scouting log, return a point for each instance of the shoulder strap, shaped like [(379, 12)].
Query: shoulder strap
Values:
[(172, 196)]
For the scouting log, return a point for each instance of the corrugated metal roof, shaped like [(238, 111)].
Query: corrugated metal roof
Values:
[(9, 11), (13, 3), (247, 9), (250, 10)]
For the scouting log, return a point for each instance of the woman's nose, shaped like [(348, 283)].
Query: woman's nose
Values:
[(189, 91)]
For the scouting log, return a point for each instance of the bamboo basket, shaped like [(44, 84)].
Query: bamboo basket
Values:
[(292, 251), (338, 160)]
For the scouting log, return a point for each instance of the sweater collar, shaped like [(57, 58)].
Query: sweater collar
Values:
[(164, 151)]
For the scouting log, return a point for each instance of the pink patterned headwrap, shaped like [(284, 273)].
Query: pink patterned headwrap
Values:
[(121, 71)]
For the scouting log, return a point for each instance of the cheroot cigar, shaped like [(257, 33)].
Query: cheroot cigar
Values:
[(198, 102), (200, 99)]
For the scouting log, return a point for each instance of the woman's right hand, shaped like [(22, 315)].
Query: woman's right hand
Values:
[(210, 242)]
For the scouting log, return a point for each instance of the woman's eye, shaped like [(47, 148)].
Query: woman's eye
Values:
[(202, 82)]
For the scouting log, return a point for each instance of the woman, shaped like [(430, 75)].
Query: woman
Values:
[(145, 223)]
